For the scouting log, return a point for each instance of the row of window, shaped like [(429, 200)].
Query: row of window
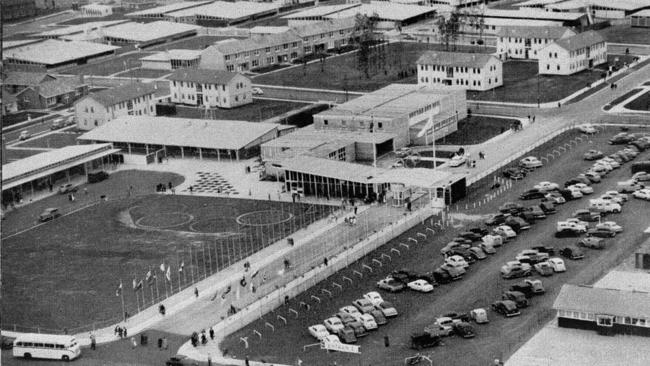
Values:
[(206, 98), (524, 40), (40, 345), (190, 84), (362, 124), (519, 52), (605, 319), (257, 52), (424, 109), (338, 154), (473, 70), (342, 32), (458, 81)]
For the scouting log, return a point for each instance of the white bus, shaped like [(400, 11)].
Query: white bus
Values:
[(58, 347)]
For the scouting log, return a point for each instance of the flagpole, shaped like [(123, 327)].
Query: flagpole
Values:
[(155, 279), (205, 265), (137, 299), (122, 298), (191, 265), (210, 257)]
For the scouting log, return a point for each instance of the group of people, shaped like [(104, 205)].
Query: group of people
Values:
[(203, 338), (161, 187), (120, 331)]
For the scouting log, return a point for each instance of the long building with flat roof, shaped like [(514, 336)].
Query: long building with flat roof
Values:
[(388, 15), (222, 13), (148, 34), (79, 28), (159, 12), (53, 53), (567, 18)]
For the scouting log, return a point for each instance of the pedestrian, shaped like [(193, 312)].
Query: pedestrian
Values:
[(116, 330), (246, 362), (72, 197), (355, 210), (160, 341), (120, 332), (196, 292), (169, 184), (93, 342), (325, 261), (85, 191), (211, 333), (293, 197), (559, 104), (51, 186), (191, 189), (133, 343), (204, 339), (209, 360), (124, 331), (533, 119), (161, 309)]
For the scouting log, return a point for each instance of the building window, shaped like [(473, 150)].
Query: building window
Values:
[(325, 122), (267, 49), (379, 125), (604, 320)]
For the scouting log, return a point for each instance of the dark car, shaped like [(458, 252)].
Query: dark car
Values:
[(517, 224), (568, 233), (479, 230), (469, 235), (573, 181), (586, 215), (97, 177), (544, 249), (442, 276), (346, 335), (463, 252), (536, 212), (391, 285), (524, 288), (456, 316), (464, 330), (620, 139), (380, 319), (507, 308), (511, 208), (49, 214), (601, 232), (514, 173), (547, 207), (518, 297), (427, 276), (181, 360), (497, 219), (640, 144), (424, 340), (532, 194), (403, 275), (462, 240), (573, 253)]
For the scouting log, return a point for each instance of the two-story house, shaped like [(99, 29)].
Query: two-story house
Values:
[(131, 99), (251, 53), (472, 71), (523, 42), (330, 34), (61, 92), (15, 81), (214, 88), (567, 56)]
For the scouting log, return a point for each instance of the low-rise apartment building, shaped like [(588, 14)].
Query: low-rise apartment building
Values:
[(523, 42), (567, 56), (52, 93), (472, 71), (326, 35), (214, 88)]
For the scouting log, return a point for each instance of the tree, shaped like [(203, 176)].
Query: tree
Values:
[(364, 37)]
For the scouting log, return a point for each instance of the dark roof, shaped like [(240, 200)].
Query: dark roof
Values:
[(454, 59), (25, 78), (203, 76), (550, 32), (123, 93), (603, 301), (59, 86), (580, 40), (7, 98)]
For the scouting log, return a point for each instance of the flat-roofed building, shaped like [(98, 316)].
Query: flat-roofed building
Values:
[(522, 42), (96, 10), (326, 35), (66, 32), (388, 15), (100, 107), (316, 14), (148, 34), (539, 4), (158, 12), (568, 19), (601, 9), (251, 53), (641, 19), (573, 54), (472, 71), (172, 60), (142, 136), (212, 88), (54, 54), (222, 13)]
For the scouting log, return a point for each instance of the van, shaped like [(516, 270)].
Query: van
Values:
[(601, 205)]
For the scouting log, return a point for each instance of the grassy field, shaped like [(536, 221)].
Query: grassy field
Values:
[(259, 110), (394, 63), (144, 73), (641, 103), (13, 118), (621, 98), (109, 66), (67, 270), (625, 34), (477, 129), (52, 141)]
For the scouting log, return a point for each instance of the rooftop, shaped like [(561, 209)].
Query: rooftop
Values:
[(626, 280), (618, 4), (144, 32), (261, 29), (454, 59), (642, 13), (392, 101), (226, 10), (79, 28), (580, 40), (309, 138), (11, 44), (532, 13), (122, 93), (319, 11), (58, 87), (177, 54), (537, 2), (209, 134), (603, 301), (325, 26), (534, 32), (385, 10), (203, 76), (25, 78), (53, 52), (256, 42), (166, 8)]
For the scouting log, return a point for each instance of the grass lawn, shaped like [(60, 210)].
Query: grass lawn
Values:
[(625, 34), (109, 66), (520, 84), (641, 103), (476, 129), (13, 118), (145, 73), (621, 98), (341, 72), (259, 110), (52, 141), (67, 270)]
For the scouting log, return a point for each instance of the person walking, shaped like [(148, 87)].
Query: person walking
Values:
[(93, 342), (196, 292), (134, 344), (209, 360), (160, 343), (165, 343), (204, 339), (124, 331), (211, 333)]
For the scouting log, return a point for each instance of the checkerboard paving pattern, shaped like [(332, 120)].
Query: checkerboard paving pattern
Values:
[(211, 182)]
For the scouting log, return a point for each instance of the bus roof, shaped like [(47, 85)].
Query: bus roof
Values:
[(39, 337)]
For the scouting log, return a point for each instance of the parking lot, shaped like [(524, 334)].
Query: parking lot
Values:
[(481, 285)]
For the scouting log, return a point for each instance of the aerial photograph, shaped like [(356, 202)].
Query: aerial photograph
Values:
[(325, 183)]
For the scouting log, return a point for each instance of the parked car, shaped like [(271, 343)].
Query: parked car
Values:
[(49, 214), (514, 173), (479, 315), (620, 139), (181, 360), (333, 324), (318, 331), (424, 340), (586, 215), (442, 276), (536, 212), (456, 273), (515, 269), (487, 248), (573, 253), (532, 194), (451, 246), (593, 155), (544, 249), (511, 208), (359, 329), (505, 231), (529, 287), (470, 235), (496, 219), (591, 242), (601, 233), (548, 207), (403, 152), (587, 129), (349, 309), (557, 264), (611, 225), (573, 226), (391, 285), (592, 177), (554, 197), (464, 330), (57, 123), (642, 194), (544, 268), (530, 162), (368, 322), (24, 135), (67, 188), (641, 177), (346, 335), (517, 224), (531, 256), (493, 240), (457, 161), (583, 188), (257, 91), (387, 309), (479, 230), (374, 297), (507, 308), (364, 305), (629, 186), (380, 318), (546, 186), (518, 297), (456, 261), (477, 253), (420, 286)]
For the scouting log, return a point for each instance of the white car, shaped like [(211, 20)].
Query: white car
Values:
[(331, 339), (571, 225), (643, 194), (492, 240), (333, 324), (367, 321), (546, 186), (583, 188), (611, 225), (397, 164), (420, 285), (351, 310), (641, 177), (457, 160), (612, 198), (587, 128), (530, 162), (604, 164), (257, 91), (623, 196), (24, 135), (526, 254), (555, 197), (613, 163), (318, 331), (578, 221), (505, 230), (403, 152), (456, 261), (557, 264), (575, 192), (374, 297), (479, 315), (487, 248)]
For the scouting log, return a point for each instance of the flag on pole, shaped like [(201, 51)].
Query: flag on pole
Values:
[(168, 274), (162, 267), (180, 269), (118, 292), (137, 285)]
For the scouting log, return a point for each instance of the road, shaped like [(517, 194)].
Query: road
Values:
[(481, 286)]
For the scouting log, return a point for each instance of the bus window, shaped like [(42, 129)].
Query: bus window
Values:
[(59, 346), (49, 345), (28, 344), (38, 345)]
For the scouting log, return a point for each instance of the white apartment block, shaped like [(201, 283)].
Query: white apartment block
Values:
[(326, 35), (472, 71), (522, 42), (98, 108), (213, 88), (573, 54)]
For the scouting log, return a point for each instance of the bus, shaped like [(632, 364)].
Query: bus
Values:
[(51, 346)]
